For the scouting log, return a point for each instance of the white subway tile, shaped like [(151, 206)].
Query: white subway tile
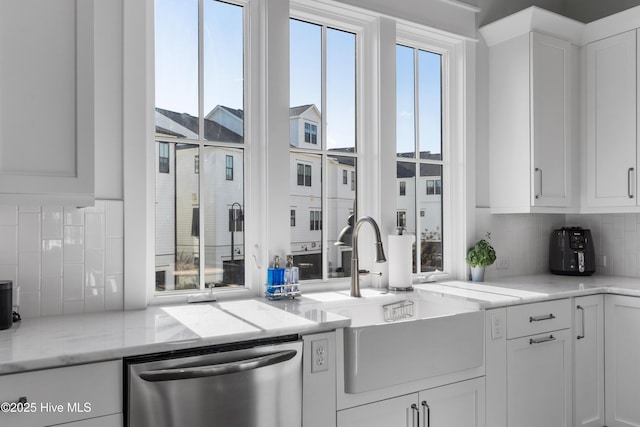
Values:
[(114, 293), (9, 246), (115, 218), (52, 258), (52, 222), (73, 245), (94, 269), (73, 286), (115, 256), (51, 303), (73, 307), (29, 236), (29, 305), (73, 216), (94, 231), (94, 300), (29, 271)]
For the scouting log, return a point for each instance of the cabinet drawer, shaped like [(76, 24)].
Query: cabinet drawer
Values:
[(538, 318), (62, 395)]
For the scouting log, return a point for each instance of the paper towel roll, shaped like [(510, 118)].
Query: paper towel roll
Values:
[(400, 263)]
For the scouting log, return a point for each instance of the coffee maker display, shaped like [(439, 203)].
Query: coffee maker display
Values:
[(571, 252)]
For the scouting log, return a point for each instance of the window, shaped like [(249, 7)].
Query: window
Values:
[(315, 222), (163, 157), (229, 168), (199, 119), (403, 188), (304, 175), (310, 133), (345, 177), (420, 160), (323, 81), (293, 217), (401, 219)]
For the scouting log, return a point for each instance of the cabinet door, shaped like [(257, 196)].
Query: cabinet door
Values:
[(397, 412), (47, 102), (539, 380), (460, 404), (550, 121), (611, 169), (622, 360), (588, 360)]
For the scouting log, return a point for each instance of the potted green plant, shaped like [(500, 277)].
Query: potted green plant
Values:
[(480, 256)]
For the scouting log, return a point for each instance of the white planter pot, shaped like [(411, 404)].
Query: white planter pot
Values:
[(477, 274)]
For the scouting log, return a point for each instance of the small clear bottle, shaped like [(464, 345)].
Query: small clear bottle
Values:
[(291, 275)]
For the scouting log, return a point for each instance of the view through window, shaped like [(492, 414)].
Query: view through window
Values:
[(322, 146), (419, 153), (199, 118)]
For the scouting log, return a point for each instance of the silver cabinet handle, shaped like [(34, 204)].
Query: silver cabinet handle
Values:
[(541, 340), (426, 414), (539, 194), (579, 307), (629, 177), (219, 369), (541, 318), (415, 416)]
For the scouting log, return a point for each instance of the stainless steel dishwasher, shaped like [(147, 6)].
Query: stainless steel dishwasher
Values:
[(250, 384)]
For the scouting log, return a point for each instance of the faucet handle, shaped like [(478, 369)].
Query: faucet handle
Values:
[(367, 272)]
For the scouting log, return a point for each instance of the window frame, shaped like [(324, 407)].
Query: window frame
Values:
[(139, 136)]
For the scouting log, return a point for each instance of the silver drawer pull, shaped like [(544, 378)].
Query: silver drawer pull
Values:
[(541, 340), (541, 318)]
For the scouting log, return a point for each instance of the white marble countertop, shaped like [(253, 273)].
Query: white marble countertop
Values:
[(527, 289), (56, 341)]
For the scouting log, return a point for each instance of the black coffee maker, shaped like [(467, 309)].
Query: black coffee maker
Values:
[(571, 252)]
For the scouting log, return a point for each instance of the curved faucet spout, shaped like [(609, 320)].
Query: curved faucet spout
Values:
[(355, 268)]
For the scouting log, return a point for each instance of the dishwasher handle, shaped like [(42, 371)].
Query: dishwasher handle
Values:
[(220, 369)]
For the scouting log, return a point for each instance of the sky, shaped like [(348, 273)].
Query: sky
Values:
[(177, 72)]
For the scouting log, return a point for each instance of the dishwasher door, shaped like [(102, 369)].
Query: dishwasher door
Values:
[(253, 387)]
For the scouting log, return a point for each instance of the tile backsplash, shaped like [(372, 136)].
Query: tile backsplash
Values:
[(63, 260), (522, 241)]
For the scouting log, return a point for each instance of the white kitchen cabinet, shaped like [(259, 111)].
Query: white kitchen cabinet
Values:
[(47, 127), (588, 361), (531, 124), (622, 361), (611, 170), (90, 393), (459, 404), (539, 380), (528, 365)]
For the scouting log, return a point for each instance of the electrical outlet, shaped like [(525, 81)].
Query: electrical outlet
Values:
[(320, 355), (503, 263), (496, 327)]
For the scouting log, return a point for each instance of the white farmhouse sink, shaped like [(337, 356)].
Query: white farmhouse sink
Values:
[(395, 339)]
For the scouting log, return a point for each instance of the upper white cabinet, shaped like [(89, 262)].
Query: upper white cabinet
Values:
[(531, 112), (611, 170), (47, 102)]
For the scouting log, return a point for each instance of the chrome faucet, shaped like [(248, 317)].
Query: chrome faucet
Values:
[(355, 268)]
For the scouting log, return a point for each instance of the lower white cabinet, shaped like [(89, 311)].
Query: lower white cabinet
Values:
[(84, 396), (539, 380), (459, 404), (588, 361), (622, 362)]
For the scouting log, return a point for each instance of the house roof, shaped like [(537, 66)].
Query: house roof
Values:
[(296, 111), (212, 131)]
